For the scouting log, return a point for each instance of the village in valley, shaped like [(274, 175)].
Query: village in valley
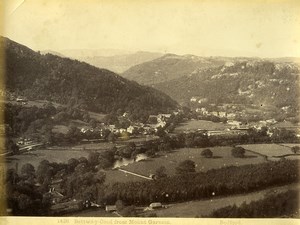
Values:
[(121, 150)]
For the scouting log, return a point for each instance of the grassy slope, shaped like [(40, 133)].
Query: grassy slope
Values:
[(171, 160)]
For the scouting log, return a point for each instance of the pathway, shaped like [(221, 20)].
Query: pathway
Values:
[(135, 174)]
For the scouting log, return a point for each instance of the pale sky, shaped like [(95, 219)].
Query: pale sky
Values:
[(266, 28)]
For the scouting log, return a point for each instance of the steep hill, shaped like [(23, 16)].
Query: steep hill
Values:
[(64, 80), (169, 67), (260, 82)]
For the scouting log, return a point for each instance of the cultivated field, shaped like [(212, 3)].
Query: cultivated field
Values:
[(269, 150), (222, 157), (113, 176), (201, 124)]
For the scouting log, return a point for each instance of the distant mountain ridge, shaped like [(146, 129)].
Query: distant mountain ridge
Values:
[(112, 59), (62, 80), (120, 63), (169, 67)]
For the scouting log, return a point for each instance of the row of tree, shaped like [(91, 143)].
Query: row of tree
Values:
[(217, 182)]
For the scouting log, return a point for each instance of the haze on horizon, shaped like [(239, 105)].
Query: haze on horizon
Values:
[(205, 28)]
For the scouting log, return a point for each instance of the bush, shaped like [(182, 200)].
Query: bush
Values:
[(295, 149), (207, 153), (186, 166), (238, 152)]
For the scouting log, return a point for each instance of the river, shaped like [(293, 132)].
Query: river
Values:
[(125, 162)]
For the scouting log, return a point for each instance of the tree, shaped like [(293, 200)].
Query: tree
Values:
[(49, 108), (11, 146), (12, 176), (164, 147), (207, 153), (83, 160), (111, 137), (108, 155), (160, 132), (295, 149), (126, 152), (72, 163), (186, 166), (81, 168), (119, 205), (93, 158), (27, 169), (161, 172), (238, 152), (24, 202), (44, 171), (93, 123)]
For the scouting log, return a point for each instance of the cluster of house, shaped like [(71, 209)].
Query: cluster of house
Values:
[(155, 122), (24, 141), (256, 125), (239, 128), (221, 114)]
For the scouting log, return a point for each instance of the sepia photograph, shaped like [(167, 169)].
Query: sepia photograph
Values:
[(149, 110)]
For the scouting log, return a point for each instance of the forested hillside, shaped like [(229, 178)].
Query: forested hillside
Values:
[(63, 80)]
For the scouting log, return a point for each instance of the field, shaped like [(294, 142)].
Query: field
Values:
[(93, 146), (56, 154), (61, 129), (97, 116), (113, 176), (35, 157), (201, 124), (286, 124), (222, 157), (269, 150), (141, 139)]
